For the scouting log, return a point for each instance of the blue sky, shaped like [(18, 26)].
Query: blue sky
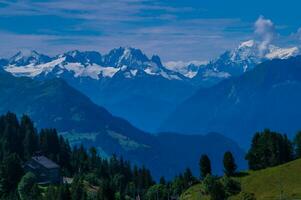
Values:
[(174, 29)]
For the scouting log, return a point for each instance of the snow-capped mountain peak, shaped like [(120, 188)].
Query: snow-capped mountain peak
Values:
[(84, 57), (241, 59), (252, 48), (129, 62), (247, 50), (26, 57), (125, 56)]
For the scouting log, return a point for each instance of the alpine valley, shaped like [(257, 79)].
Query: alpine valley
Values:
[(53, 103)]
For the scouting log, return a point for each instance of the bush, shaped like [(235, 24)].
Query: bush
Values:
[(27, 188), (92, 179), (231, 186), (214, 188), (158, 191)]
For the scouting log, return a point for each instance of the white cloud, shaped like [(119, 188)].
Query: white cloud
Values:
[(265, 30), (150, 25)]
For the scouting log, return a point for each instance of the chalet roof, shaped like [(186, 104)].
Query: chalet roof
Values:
[(47, 163)]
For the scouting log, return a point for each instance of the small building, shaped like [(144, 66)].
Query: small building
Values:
[(46, 170)]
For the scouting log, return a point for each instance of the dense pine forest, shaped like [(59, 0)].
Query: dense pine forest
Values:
[(106, 179), (93, 177)]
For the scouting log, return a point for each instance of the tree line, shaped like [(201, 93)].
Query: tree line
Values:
[(114, 178), (94, 178)]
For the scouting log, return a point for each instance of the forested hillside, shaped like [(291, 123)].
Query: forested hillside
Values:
[(92, 176)]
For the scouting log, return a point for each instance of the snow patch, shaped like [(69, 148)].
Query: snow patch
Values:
[(32, 70), (249, 43), (188, 69), (282, 53)]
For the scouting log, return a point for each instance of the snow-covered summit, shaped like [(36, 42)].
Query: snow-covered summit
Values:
[(251, 49), (28, 57), (241, 59), (89, 64)]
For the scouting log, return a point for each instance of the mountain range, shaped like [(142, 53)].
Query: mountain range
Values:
[(125, 81), (240, 92), (53, 103), (135, 87)]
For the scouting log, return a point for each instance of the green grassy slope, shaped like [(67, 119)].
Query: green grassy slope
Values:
[(281, 182)]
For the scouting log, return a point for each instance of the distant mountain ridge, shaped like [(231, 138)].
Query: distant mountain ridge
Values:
[(266, 97), (129, 60), (53, 103)]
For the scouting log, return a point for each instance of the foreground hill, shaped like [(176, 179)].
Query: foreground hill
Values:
[(281, 182), (268, 96), (53, 103), (274, 182)]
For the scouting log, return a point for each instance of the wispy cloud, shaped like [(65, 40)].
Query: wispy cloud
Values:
[(265, 29), (175, 33)]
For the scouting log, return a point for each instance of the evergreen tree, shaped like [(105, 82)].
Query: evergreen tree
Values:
[(162, 180), (105, 192), (188, 178), (10, 174), (229, 164), (297, 145), (205, 166), (94, 158), (64, 159), (269, 149), (77, 189), (30, 141), (64, 193), (49, 143), (12, 135)]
